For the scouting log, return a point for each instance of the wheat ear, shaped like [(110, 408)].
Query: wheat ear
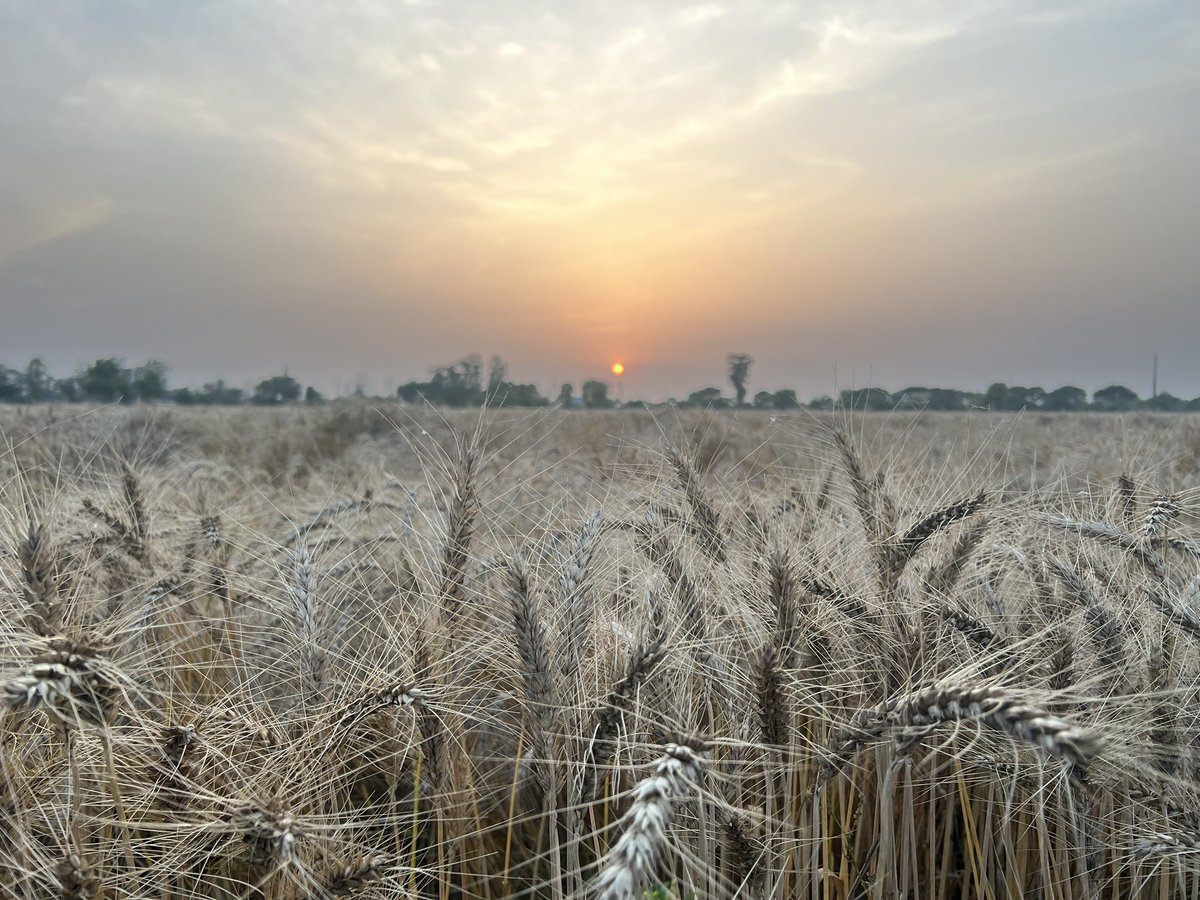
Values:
[(534, 651), (635, 858), (459, 531), (989, 705)]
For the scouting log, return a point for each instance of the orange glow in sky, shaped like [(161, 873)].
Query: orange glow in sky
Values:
[(831, 187)]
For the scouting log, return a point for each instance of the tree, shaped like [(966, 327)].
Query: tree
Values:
[(68, 389), (410, 391), (913, 398), (996, 396), (707, 398), (276, 390), (739, 374), (785, 399), (595, 395), (217, 393), (1065, 399), (509, 394), (1165, 402), (947, 399), (764, 400), (39, 385), (1115, 398), (866, 399), (11, 388), (313, 397), (497, 376), (460, 384), (149, 383), (106, 381), (566, 394)]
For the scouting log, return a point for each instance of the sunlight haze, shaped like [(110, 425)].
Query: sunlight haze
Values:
[(886, 193)]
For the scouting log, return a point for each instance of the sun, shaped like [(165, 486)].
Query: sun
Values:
[(618, 368)]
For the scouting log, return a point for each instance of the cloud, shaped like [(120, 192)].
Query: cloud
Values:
[(41, 223), (432, 159)]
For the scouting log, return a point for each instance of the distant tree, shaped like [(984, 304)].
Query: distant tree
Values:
[(764, 400), (871, 399), (149, 383), (68, 389), (218, 393), (945, 400), (1026, 397), (460, 384), (276, 390), (497, 376), (12, 390), (566, 394), (39, 385), (996, 396), (739, 374), (785, 399), (595, 395), (821, 403), (313, 397), (1115, 398), (106, 381), (183, 396), (912, 398), (1165, 402), (706, 398), (509, 394), (1065, 399)]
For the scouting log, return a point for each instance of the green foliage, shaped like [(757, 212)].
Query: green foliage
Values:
[(936, 399), (595, 395), (149, 382), (106, 381), (1166, 403), (780, 400), (1065, 399), (276, 390), (39, 386), (739, 373), (11, 388), (867, 399), (1115, 398), (219, 394), (461, 385), (706, 398)]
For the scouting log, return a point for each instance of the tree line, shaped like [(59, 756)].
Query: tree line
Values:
[(468, 383), (110, 380)]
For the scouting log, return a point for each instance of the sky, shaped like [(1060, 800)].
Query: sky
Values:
[(895, 193)]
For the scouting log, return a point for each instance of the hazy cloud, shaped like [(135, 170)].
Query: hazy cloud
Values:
[(371, 188)]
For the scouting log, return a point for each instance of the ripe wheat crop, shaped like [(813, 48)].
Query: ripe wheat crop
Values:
[(377, 653)]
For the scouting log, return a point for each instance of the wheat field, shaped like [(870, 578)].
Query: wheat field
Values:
[(377, 652)]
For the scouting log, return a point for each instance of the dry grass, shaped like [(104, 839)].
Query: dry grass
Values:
[(356, 652)]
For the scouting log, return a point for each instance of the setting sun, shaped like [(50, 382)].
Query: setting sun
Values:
[(618, 368)]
